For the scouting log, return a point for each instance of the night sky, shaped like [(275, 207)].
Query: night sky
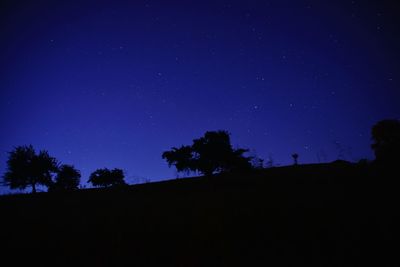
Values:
[(115, 83)]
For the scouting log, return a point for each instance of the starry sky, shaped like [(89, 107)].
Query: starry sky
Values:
[(115, 83)]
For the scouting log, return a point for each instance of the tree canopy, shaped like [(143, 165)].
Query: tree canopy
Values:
[(181, 158), (212, 153), (67, 179), (386, 137), (106, 178), (27, 168)]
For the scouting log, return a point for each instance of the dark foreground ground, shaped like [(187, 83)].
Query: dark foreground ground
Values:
[(311, 215)]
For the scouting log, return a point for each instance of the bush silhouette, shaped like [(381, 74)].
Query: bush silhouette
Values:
[(257, 162), (386, 137), (212, 153), (67, 179), (26, 168), (106, 178)]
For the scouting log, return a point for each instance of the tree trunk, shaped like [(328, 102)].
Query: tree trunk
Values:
[(33, 188)]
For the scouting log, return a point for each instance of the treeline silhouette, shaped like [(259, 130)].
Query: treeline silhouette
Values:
[(208, 155), (27, 168), (333, 214)]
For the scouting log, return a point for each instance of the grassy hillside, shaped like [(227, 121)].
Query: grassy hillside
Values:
[(311, 215)]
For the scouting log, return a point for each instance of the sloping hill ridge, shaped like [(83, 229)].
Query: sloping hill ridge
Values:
[(308, 215)]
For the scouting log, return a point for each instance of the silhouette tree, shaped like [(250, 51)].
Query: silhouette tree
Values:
[(295, 157), (212, 153), (181, 158), (26, 168), (67, 179), (105, 177), (386, 137)]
